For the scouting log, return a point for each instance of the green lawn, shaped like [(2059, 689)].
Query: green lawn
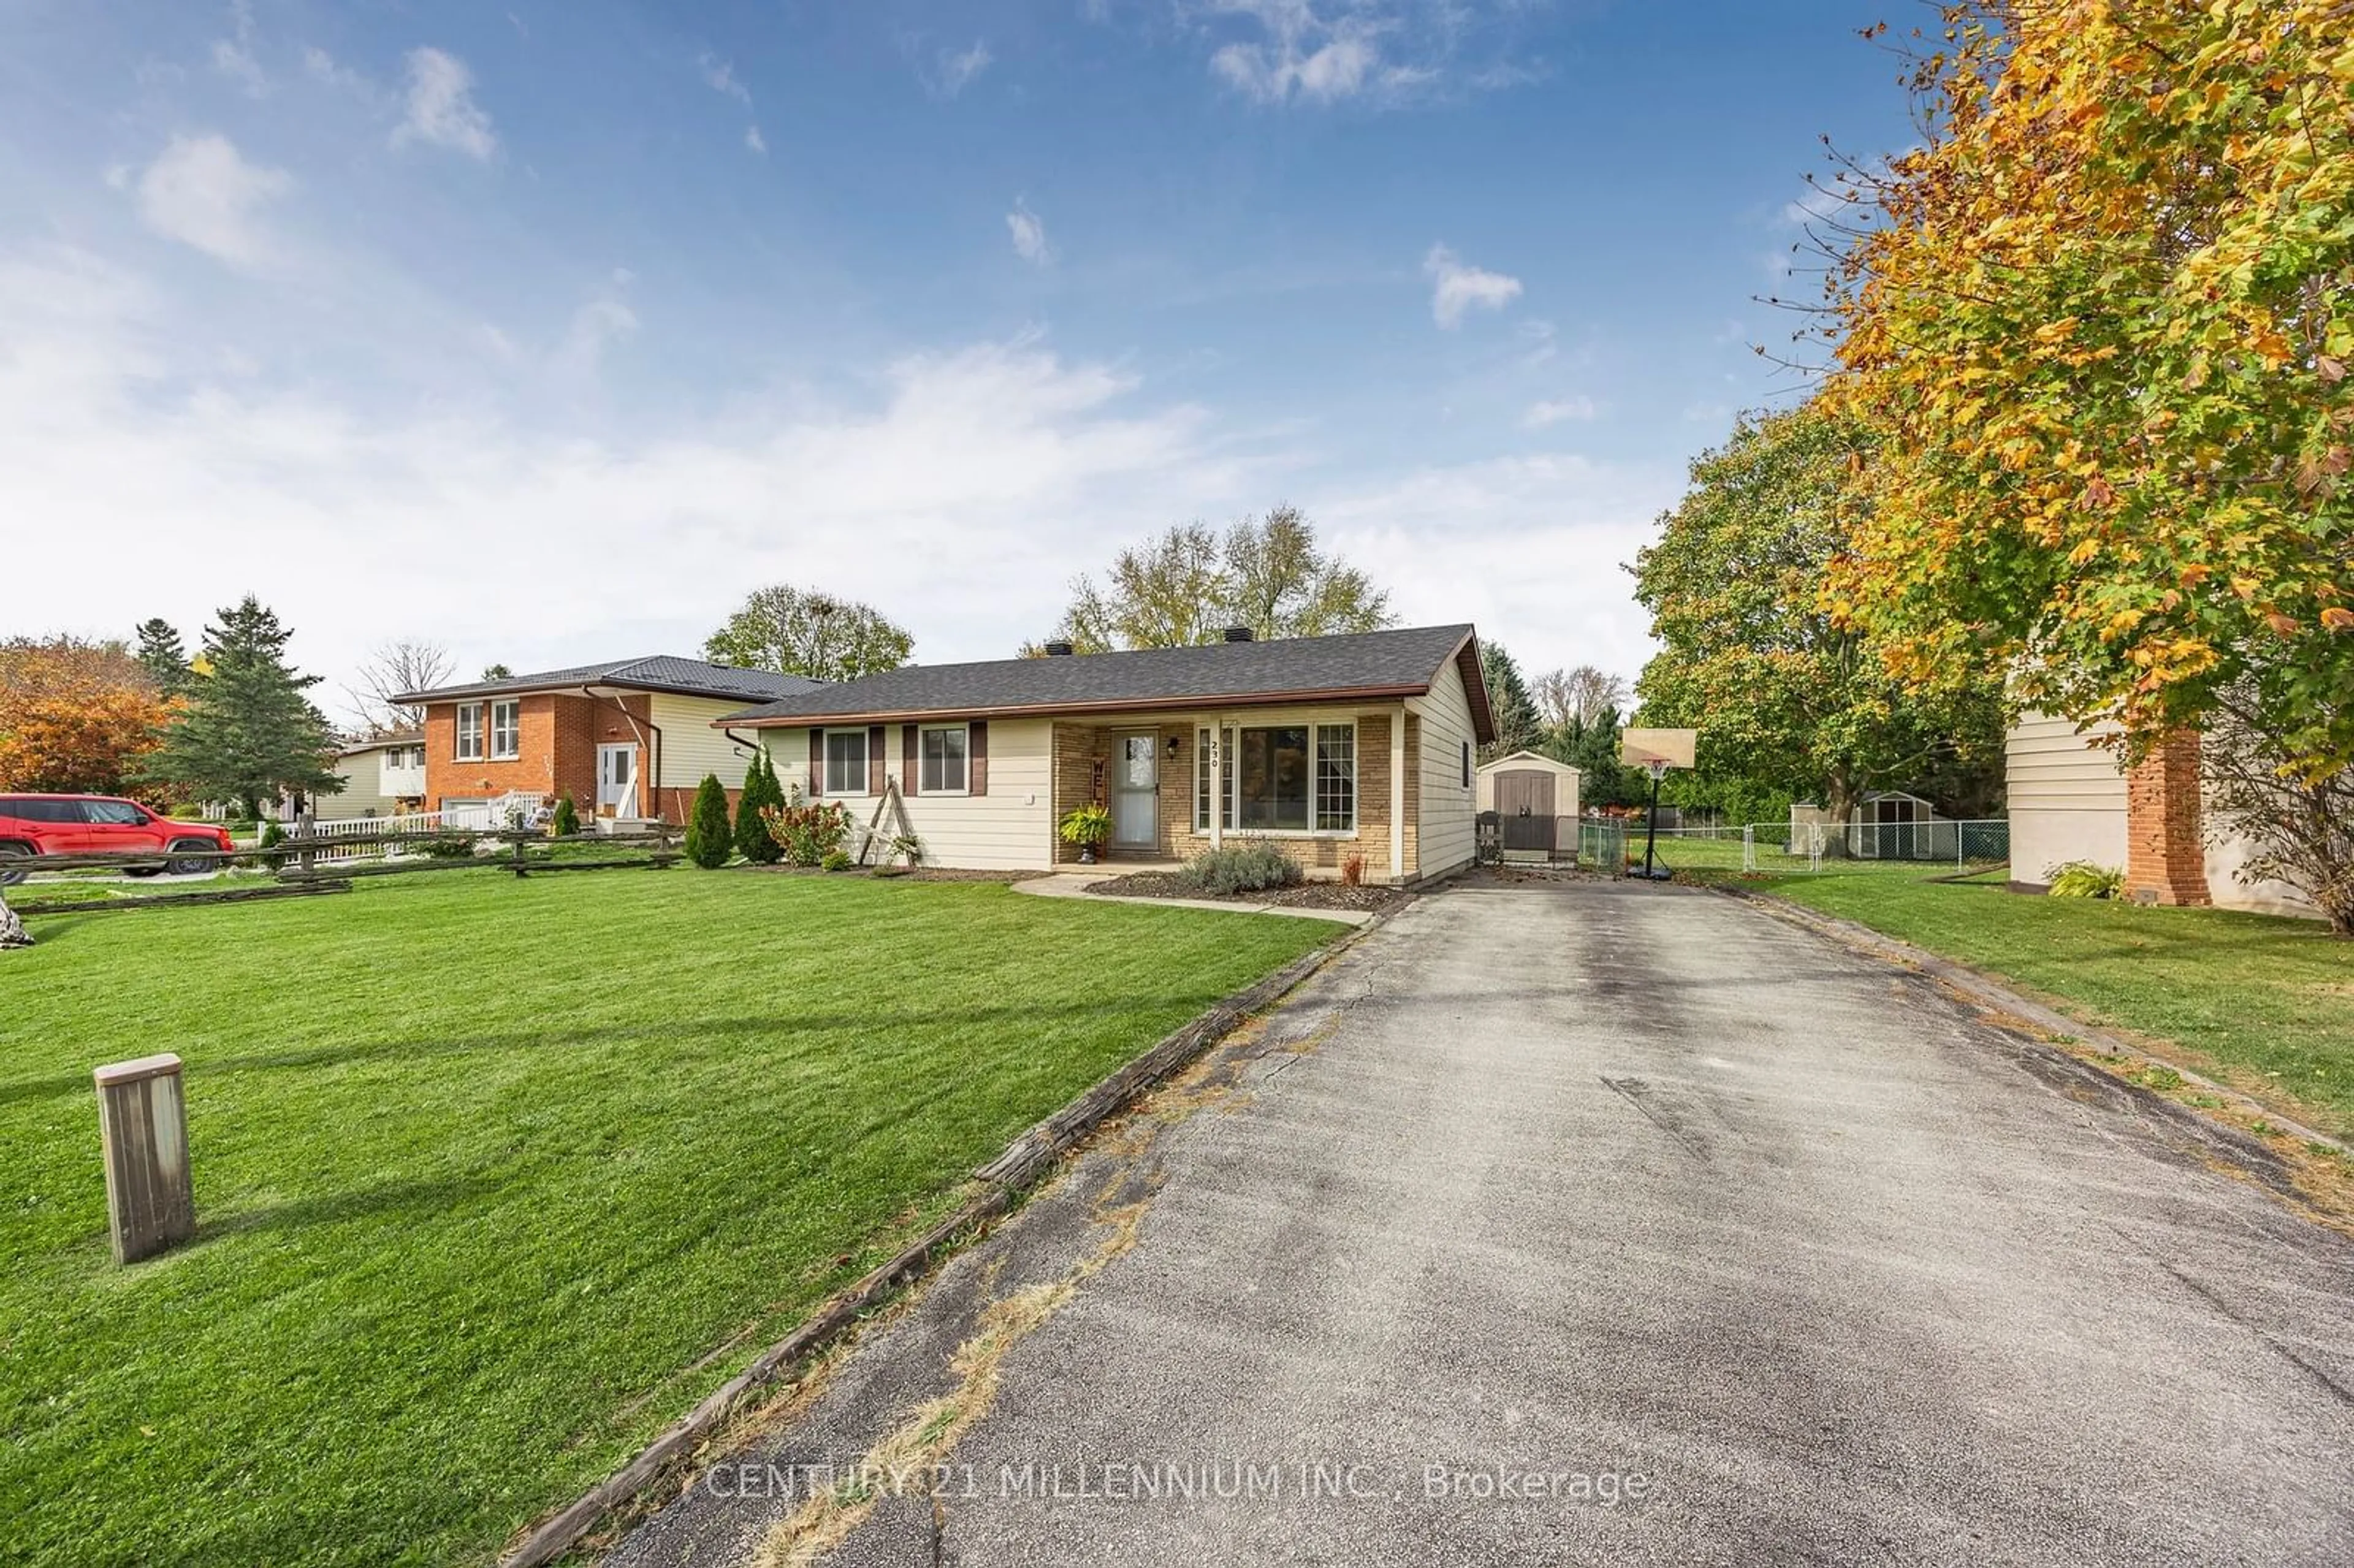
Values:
[(2267, 1002), (496, 1178)]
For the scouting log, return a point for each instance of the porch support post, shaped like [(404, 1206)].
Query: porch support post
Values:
[(1217, 781), (1397, 794)]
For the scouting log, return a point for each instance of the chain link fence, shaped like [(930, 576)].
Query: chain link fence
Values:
[(1903, 849)]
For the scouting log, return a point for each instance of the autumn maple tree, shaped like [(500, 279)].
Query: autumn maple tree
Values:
[(2100, 322), (76, 716)]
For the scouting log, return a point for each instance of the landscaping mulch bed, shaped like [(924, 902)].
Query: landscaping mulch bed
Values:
[(1307, 896)]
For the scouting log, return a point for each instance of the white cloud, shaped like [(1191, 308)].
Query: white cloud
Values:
[(720, 77), (956, 69), (442, 109), (1387, 51), (1554, 411), (320, 67), (200, 191), (965, 486), (595, 327), (233, 57), (754, 140), (1528, 547), (1029, 231), (1456, 287)]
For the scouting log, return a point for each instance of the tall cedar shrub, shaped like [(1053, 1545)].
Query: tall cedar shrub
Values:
[(761, 789), (566, 823), (709, 840)]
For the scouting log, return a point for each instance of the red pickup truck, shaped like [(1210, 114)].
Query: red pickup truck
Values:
[(37, 825)]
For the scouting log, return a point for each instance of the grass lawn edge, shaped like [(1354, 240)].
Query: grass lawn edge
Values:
[(2269, 1143), (995, 1189)]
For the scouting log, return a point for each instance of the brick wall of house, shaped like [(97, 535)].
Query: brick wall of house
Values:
[(1079, 749), (557, 737), (2166, 854)]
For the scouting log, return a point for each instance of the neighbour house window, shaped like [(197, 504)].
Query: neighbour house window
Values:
[(1276, 783), (506, 731), (943, 761), (845, 762), (469, 732)]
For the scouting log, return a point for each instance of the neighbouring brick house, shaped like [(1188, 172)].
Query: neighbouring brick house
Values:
[(630, 739), (1340, 750), (2070, 799)]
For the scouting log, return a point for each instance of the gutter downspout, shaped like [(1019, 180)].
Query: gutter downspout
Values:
[(646, 792)]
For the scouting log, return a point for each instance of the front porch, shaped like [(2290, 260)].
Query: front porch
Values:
[(1328, 787)]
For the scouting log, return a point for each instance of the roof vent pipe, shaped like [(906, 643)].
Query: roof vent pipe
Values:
[(1058, 649), (1238, 634)]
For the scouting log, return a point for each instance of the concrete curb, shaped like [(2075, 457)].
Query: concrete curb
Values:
[(1021, 1162), (1991, 995)]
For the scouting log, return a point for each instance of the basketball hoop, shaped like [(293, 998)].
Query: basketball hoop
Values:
[(1655, 751)]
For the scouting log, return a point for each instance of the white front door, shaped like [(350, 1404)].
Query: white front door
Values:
[(616, 780), (1136, 792)]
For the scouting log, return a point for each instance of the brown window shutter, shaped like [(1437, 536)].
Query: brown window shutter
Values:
[(817, 763), (907, 779), (878, 761), (976, 761)]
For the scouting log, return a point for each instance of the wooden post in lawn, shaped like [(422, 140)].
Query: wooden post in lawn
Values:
[(303, 830), (142, 1129)]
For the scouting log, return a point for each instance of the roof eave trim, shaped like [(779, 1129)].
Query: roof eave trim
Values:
[(748, 720)]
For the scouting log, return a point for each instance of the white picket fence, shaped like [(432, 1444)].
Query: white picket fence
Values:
[(363, 838)]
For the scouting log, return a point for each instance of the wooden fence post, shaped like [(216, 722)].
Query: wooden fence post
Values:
[(143, 1127)]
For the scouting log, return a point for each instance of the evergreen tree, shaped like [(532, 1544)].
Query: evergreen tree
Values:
[(163, 657), (761, 787), (247, 733), (566, 823), (709, 842), (1518, 727)]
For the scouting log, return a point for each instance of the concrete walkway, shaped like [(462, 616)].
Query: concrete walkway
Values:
[(1597, 1223), (1078, 884)]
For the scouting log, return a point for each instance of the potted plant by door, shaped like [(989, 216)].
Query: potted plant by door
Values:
[(1087, 826)]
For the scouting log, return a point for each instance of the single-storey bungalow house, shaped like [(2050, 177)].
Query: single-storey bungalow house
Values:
[(1349, 751), (629, 739), (2071, 800), (382, 776)]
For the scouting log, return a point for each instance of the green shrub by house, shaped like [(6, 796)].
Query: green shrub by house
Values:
[(566, 823), (709, 841), (762, 790), (1246, 868)]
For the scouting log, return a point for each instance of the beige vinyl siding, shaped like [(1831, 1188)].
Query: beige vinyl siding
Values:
[(2066, 795), (1443, 817), (691, 747), (1011, 828), (362, 796)]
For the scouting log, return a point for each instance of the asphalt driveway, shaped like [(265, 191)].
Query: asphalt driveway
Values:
[(1597, 1223)]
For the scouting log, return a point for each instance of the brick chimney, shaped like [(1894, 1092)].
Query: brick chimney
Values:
[(2166, 856)]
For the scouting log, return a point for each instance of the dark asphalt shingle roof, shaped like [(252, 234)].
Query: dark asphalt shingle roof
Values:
[(1389, 663), (655, 672)]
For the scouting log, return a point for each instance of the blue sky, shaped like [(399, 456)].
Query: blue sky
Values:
[(546, 330)]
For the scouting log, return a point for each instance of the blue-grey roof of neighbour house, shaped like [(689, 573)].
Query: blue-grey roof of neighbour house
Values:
[(1359, 666), (655, 672)]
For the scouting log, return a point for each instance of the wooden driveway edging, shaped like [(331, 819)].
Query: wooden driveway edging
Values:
[(1023, 1162)]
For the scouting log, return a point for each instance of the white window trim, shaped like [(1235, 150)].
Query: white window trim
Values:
[(923, 788), (473, 730), (1229, 776), (515, 751), (866, 769)]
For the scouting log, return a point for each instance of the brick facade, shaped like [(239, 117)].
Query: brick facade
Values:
[(2166, 852), (558, 736), (1082, 766)]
